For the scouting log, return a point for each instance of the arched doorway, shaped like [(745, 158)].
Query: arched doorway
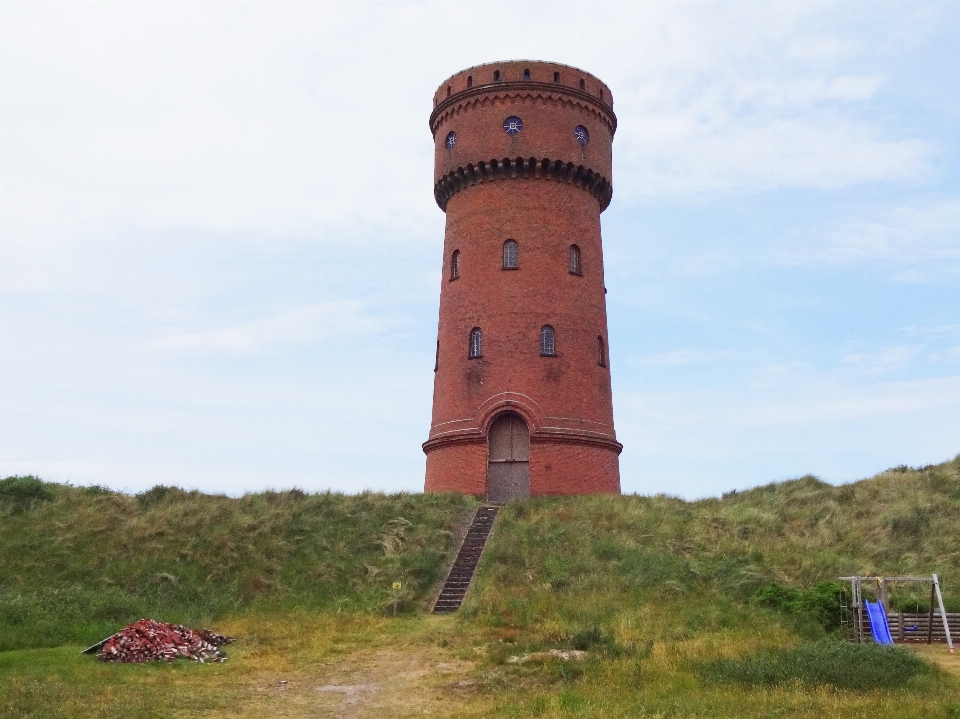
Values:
[(508, 459)]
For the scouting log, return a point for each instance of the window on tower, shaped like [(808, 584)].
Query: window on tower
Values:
[(526, 74), (455, 265), (547, 344), (556, 77), (575, 267), (511, 255), (601, 352), (476, 343)]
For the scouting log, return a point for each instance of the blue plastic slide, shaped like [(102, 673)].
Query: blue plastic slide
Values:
[(878, 623)]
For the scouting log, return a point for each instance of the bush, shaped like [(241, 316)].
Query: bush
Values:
[(24, 492), (827, 662), (159, 494), (822, 603)]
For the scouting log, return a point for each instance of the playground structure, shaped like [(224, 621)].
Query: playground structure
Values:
[(876, 620)]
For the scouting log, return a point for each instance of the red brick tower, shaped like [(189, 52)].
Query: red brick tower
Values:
[(521, 400)]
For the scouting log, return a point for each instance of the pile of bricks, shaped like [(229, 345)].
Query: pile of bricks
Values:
[(150, 641)]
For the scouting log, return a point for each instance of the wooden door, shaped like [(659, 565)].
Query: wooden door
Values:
[(508, 459)]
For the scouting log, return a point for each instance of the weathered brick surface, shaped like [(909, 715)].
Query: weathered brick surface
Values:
[(565, 399)]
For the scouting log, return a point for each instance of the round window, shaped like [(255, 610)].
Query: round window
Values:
[(451, 140), (512, 125), (581, 135)]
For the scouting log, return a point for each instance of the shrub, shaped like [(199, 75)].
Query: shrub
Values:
[(822, 603), (24, 492), (159, 494), (827, 662)]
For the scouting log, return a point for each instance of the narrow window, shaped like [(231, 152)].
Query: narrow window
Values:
[(601, 352), (526, 74), (547, 348), (496, 75), (511, 255), (601, 94), (436, 362), (455, 265), (575, 267), (469, 80), (448, 91), (556, 77), (583, 85), (476, 343)]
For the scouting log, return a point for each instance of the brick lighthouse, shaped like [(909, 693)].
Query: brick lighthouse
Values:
[(521, 402)]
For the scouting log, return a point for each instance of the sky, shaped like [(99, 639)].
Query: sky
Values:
[(220, 257)]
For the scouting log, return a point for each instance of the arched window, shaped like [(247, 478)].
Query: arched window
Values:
[(547, 344), (511, 255), (476, 343), (469, 80), (448, 91), (526, 74), (496, 75), (601, 352), (556, 77), (583, 85), (455, 265), (575, 267)]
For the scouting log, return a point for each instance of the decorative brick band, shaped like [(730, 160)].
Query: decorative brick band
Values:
[(527, 168), (550, 437)]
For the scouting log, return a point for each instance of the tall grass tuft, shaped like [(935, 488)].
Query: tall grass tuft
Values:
[(828, 662)]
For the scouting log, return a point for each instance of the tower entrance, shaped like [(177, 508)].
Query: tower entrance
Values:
[(508, 459)]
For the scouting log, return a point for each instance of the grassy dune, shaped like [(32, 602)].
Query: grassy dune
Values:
[(75, 563), (670, 600)]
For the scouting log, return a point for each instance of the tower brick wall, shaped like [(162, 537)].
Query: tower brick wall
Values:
[(543, 185)]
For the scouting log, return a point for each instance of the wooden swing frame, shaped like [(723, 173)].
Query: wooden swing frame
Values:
[(856, 604)]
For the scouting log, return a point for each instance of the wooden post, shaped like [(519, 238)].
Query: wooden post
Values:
[(900, 627), (396, 596), (930, 616)]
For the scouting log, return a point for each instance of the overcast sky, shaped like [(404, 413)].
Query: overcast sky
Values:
[(220, 254)]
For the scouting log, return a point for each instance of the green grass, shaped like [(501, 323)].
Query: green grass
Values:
[(75, 563), (717, 608), (830, 662)]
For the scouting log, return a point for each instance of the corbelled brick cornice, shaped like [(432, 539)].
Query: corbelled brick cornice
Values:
[(527, 168)]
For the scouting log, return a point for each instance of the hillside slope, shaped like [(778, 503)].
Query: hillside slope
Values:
[(677, 605), (601, 557), (76, 562)]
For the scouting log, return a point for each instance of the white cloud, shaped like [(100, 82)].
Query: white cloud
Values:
[(679, 358), (923, 231), (850, 87), (819, 47), (301, 325)]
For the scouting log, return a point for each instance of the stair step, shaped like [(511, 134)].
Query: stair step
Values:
[(468, 556)]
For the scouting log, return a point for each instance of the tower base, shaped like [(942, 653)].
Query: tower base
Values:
[(557, 466)]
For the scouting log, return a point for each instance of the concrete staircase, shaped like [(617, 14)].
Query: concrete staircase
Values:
[(461, 573)]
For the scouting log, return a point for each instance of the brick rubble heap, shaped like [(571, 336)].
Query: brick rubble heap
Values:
[(148, 641)]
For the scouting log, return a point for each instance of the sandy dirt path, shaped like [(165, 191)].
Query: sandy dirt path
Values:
[(388, 683)]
